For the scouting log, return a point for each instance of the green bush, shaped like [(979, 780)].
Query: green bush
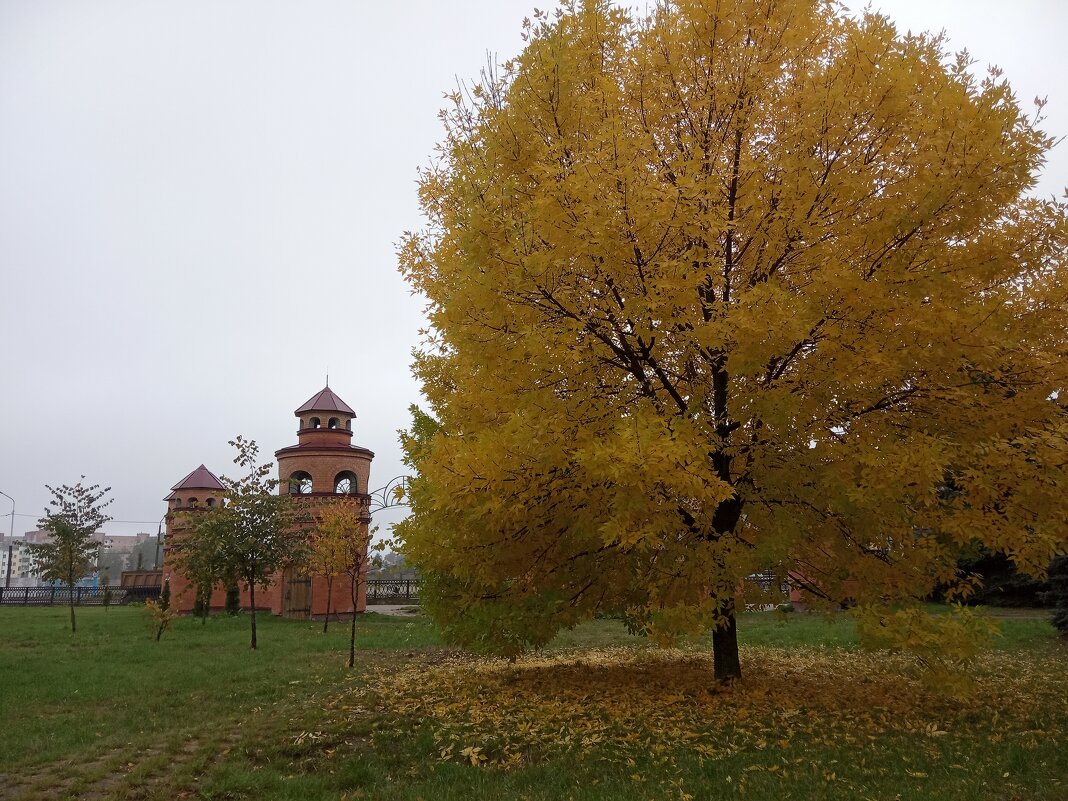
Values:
[(1057, 596), (1002, 584), (233, 599)]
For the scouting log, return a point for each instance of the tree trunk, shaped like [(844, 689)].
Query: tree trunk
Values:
[(726, 664), (329, 593), (70, 595), (352, 633), (252, 603)]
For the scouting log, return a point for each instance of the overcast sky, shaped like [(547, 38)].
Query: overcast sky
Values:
[(199, 204)]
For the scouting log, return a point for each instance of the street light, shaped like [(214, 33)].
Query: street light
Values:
[(102, 558), (159, 533), (11, 532), (10, 537)]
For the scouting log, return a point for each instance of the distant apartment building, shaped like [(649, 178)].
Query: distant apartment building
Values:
[(116, 555), (37, 536), (17, 567)]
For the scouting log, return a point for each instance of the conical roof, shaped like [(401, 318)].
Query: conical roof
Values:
[(325, 401), (201, 478)]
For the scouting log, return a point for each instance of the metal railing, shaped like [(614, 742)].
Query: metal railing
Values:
[(82, 596), (763, 591), (393, 591)]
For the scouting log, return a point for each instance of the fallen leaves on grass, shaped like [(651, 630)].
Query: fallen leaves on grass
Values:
[(626, 703)]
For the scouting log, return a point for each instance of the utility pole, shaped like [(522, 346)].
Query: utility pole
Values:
[(10, 539)]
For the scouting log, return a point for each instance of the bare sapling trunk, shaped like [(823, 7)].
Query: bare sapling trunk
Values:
[(352, 633), (329, 594), (70, 599), (252, 603)]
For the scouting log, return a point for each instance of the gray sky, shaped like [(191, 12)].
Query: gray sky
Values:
[(199, 203)]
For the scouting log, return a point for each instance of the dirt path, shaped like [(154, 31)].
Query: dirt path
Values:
[(1021, 613), (394, 610)]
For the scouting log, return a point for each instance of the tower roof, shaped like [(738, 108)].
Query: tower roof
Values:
[(325, 401), (201, 478)]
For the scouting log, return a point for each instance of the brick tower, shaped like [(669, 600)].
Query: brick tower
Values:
[(323, 466), (199, 490)]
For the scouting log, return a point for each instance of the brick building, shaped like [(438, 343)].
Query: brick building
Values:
[(323, 466)]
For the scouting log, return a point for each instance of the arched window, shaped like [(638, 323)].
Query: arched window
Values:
[(315, 422), (300, 483), (177, 503), (345, 483), (348, 425), (192, 503), (334, 423), (211, 501)]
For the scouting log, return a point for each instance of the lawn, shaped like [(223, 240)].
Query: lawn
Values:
[(109, 714)]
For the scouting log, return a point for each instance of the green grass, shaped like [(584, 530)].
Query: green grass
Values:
[(107, 713), (110, 683), (794, 629)]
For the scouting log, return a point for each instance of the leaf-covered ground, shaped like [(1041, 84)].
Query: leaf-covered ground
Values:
[(843, 722)]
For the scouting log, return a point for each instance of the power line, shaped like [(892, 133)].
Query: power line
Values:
[(40, 517)]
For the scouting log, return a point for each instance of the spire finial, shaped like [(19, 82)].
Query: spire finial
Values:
[(328, 379)]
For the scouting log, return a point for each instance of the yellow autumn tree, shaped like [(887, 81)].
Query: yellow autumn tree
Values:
[(340, 549), (732, 286)]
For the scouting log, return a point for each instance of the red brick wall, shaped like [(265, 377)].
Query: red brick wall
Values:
[(271, 598)]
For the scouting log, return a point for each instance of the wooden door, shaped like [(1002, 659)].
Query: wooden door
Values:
[(297, 599)]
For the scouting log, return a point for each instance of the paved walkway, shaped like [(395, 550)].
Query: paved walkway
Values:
[(397, 610)]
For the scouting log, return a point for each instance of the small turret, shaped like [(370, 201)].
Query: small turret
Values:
[(325, 419), (324, 461), (201, 488)]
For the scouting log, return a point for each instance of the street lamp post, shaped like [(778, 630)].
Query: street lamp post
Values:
[(102, 558), (10, 537), (159, 534)]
